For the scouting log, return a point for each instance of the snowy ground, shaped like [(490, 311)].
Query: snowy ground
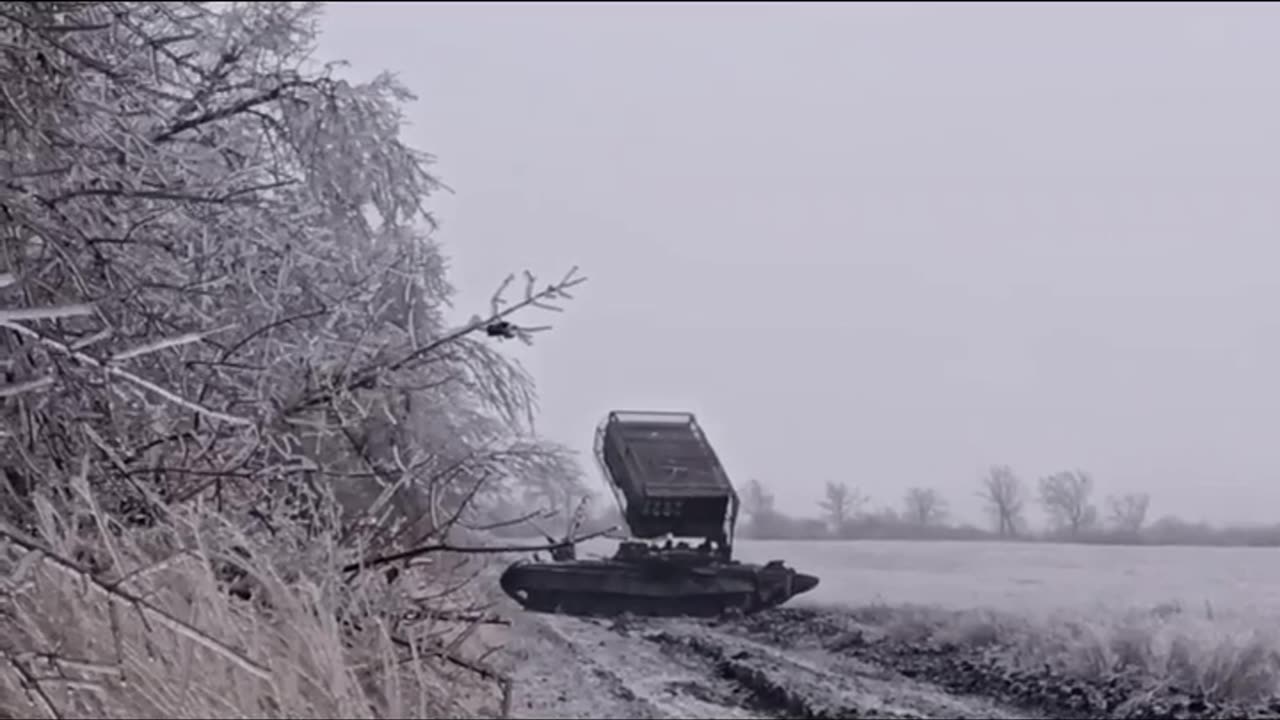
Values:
[(813, 663), (1008, 631), (571, 668), (576, 668)]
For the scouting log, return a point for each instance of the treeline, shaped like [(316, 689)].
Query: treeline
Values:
[(1066, 499), (1071, 511)]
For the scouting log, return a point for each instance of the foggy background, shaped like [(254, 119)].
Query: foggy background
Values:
[(883, 244)]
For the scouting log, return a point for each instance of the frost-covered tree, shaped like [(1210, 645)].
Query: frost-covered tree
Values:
[(221, 295), (1004, 494), (924, 506), (1129, 512), (221, 279), (1066, 498), (757, 501), (840, 504)]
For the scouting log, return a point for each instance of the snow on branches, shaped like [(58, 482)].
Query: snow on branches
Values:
[(217, 260)]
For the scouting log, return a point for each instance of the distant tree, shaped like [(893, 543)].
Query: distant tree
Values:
[(924, 506), (878, 522), (765, 521), (757, 502), (1129, 512), (885, 515), (1005, 496), (840, 504), (1065, 497), (1173, 530)]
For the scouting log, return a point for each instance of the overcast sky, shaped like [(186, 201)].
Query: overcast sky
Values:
[(883, 244)]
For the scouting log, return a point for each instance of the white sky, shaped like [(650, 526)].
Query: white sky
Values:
[(885, 244)]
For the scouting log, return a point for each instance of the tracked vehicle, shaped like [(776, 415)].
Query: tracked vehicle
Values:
[(669, 484)]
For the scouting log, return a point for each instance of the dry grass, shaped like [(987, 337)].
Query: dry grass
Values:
[(140, 625), (1227, 658)]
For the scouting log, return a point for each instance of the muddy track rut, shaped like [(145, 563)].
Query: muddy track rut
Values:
[(576, 668), (799, 663)]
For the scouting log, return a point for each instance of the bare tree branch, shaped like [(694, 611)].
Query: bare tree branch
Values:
[(924, 506), (841, 504), (1005, 497), (472, 550), (1129, 512), (1065, 498)]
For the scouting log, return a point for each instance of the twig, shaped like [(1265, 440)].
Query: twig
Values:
[(45, 313), (32, 686), (453, 658), (527, 517), (20, 388), (465, 550), (472, 617), (368, 377), (162, 344), (124, 375), (456, 586), (226, 112)]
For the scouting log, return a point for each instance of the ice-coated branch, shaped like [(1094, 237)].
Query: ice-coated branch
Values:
[(125, 375), (368, 377), (470, 550)]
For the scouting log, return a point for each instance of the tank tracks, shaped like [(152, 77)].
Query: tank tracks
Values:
[(598, 604)]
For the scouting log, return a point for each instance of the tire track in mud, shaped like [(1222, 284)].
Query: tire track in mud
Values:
[(812, 683), (572, 667), (805, 663), (985, 670), (568, 667)]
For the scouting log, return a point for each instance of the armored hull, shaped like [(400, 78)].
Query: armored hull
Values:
[(654, 583)]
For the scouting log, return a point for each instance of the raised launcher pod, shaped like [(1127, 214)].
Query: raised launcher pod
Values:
[(665, 476)]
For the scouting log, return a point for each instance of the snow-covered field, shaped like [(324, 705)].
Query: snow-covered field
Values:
[(939, 630), (1027, 577)]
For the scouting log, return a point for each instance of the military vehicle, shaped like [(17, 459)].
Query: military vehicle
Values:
[(669, 484)]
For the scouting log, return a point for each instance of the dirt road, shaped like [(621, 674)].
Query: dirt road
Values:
[(801, 663), (577, 668)]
